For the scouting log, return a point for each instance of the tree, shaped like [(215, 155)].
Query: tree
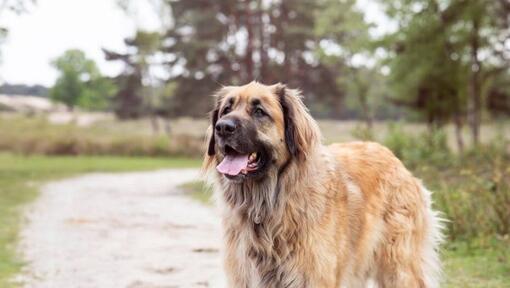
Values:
[(436, 57), (210, 43), (344, 35), (137, 84), (80, 82), (487, 28)]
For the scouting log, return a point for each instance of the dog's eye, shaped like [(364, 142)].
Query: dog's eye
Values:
[(226, 110), (259, 112)]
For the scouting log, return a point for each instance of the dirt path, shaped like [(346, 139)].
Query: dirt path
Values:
[(131, 230)]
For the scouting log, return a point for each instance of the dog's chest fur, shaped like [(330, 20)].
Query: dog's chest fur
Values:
[(262, 242)]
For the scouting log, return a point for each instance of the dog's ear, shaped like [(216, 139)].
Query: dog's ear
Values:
[(214, 115), (301, 131), (212, 143)]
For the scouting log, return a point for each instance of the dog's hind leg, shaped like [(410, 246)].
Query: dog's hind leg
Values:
[(408, 256)]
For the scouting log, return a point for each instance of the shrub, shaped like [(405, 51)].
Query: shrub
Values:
[(429, 146), (362, 132), (471, 189)]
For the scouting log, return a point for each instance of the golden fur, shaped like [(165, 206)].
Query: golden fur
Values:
[(343, 215)]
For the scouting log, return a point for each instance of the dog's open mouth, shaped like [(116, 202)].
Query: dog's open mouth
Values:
[(241, 164)]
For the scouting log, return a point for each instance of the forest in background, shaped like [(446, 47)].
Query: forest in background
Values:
[(443, 61)]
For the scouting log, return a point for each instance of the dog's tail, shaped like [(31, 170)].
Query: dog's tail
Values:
[(434, 237)]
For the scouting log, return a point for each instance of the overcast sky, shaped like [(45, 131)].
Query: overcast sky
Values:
[(53, 26)]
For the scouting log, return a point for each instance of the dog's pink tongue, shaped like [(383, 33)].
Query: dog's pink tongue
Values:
[(232, 165)]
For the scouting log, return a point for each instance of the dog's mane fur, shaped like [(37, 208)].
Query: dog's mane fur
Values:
[(260, 205)]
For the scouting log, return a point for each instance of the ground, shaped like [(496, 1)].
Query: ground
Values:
[(22, 176), (121, 230)]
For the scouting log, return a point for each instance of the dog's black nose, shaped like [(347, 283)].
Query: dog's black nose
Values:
[(225, 127)]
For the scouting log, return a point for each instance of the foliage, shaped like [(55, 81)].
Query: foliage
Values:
[(344, 36), (134, 99), (498, 95), (443, 55), (211, 43), (471, 189), (363, 133), (442, 61), (21, 176), (429, 146), (80, 83)]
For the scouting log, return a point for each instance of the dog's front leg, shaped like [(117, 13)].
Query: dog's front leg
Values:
[(237, 272)]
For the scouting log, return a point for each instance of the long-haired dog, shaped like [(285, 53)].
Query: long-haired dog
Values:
[(297, 213)]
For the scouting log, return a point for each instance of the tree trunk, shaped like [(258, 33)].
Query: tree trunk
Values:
[(475, 102), (362, 96), (284, 18), (262, 44), (367, 116), (168, 127), (154, 124), (248, 60), (458, 131)]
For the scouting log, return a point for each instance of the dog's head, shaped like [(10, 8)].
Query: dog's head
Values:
[(257, 129)]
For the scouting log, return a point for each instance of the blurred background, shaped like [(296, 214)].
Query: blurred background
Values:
[(109, 86)]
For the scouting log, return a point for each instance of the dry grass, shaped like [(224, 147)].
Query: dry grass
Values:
[(36, 135), (341, 131), (107, 136)]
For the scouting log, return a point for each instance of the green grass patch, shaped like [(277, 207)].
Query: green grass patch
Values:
[(198, 191), (477, 265), (20, 177)]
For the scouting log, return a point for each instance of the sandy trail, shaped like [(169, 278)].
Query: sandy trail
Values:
[(131, 230)]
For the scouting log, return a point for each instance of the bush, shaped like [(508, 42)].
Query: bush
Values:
[(362, 132), (429, 147), (472, 189), (475, 192)]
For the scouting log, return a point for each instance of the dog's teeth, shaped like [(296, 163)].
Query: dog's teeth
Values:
[(253, 156)]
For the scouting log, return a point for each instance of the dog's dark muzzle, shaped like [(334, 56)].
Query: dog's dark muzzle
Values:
[(235, 133)]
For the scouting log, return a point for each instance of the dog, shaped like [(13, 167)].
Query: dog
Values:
[(299, 214)]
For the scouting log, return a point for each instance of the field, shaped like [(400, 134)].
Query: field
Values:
[(20, 177), (472, 189), (102, 135)]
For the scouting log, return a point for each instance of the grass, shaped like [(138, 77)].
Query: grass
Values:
[(20, 177), (37, 135), (477, 266), (107, 136), (198, 191)]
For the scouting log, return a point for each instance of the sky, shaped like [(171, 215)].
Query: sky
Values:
[(54, 26)]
